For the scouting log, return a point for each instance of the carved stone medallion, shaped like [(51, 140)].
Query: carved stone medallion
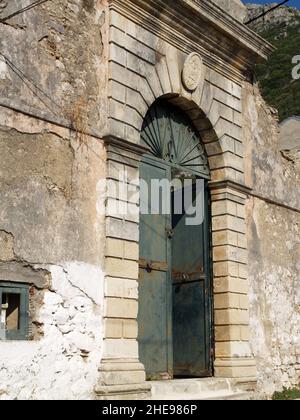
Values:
[(192, 71)]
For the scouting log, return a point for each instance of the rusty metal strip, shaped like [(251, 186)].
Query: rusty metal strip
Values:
[(154, 265)]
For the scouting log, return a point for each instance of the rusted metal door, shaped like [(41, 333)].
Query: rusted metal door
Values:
[(155, 293), (191, 293)]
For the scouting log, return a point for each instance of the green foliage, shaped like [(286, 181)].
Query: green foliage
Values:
[(275, 77), (287, 394)]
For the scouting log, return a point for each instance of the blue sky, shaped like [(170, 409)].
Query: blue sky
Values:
[(294, 3)]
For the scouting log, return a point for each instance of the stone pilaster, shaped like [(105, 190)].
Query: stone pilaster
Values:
[(121, 374), (233, 357)]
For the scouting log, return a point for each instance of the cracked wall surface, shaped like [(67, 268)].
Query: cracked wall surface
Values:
[(51, 219), (52, 237), (52, 60), (64, 363), (273, 230)]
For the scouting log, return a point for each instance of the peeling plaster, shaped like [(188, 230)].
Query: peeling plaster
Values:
[(64, 363)]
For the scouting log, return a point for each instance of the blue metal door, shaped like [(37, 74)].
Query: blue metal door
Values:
[(155, 293), (191, 293)]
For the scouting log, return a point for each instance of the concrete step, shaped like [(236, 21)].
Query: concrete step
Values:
[(197, 389)]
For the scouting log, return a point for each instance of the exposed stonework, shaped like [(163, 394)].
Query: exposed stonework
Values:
[(67, 303), (64, 363)]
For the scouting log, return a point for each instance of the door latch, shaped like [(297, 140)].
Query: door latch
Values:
[(149, 267)]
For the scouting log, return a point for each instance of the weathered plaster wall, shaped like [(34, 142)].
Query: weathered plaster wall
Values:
[(50, 220), (56, 60), (274, 248), (64, 363), (51, 194)]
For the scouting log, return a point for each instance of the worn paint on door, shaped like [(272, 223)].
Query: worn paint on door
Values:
[(155, 315), (191, 344)]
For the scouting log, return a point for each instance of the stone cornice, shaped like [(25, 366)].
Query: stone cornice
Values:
[(235, 29), (242, 188), (125, 145), (200, 26), (249, 192)]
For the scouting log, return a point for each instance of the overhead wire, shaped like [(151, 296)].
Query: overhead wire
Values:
[(24, 9), (266, 12), (33, 87)]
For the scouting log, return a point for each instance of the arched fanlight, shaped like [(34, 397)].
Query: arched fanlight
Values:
[(170, 135)]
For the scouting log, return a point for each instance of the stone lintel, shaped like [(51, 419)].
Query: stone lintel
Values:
[(18, 272)]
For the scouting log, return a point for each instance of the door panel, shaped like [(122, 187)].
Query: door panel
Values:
[(155, 338), (155, 307), (189, 329), (189, 277)]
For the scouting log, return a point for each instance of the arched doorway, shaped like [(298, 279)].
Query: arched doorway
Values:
[(175, 293)]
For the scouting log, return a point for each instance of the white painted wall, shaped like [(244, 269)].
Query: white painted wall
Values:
[(64, 364)]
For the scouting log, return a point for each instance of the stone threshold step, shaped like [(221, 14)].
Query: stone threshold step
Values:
[(199, 389), (204, 396), (193, 386)]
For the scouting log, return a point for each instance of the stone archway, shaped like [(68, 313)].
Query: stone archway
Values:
[(121, 370), (144, 67)]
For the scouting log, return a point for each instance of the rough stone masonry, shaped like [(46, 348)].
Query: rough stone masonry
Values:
[(76, 80)]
